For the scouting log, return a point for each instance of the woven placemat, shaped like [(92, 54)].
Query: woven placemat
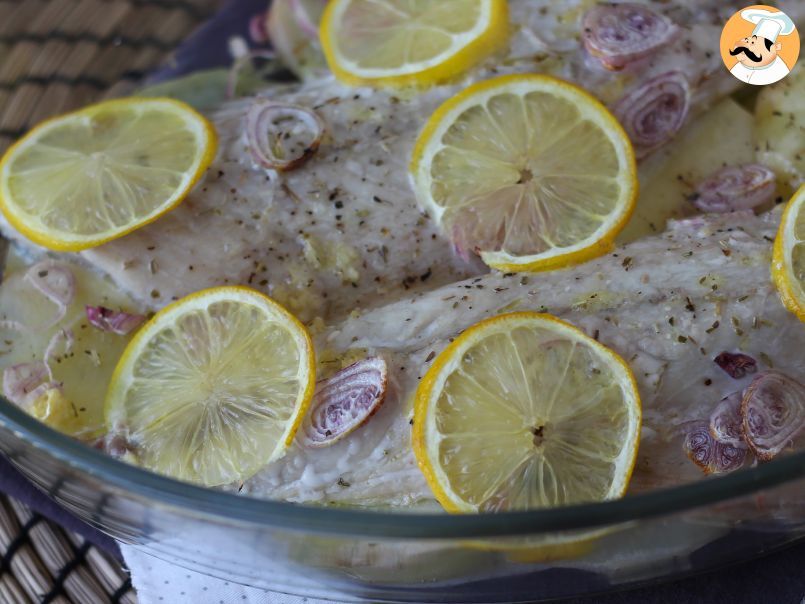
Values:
[(57, 55), (41, 562)]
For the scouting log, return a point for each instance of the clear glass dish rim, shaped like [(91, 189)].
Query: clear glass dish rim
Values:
[(286, 516)]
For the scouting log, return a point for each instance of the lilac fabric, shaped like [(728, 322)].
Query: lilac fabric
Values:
[(208, 46), (778, 578)]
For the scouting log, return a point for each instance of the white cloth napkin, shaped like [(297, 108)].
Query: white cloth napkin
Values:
[(158, 582)]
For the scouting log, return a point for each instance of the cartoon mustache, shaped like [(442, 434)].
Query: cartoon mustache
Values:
[(743, 49)]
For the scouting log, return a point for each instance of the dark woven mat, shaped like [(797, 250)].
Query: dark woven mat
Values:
[(41, 562), (57, 55)]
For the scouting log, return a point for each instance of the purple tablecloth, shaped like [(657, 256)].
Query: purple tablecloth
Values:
[(775, 579)]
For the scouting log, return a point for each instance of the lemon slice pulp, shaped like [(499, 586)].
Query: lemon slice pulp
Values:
[(788, 263), (399, 42), (84, 178), (527, 170), (524, 411), (213, 387)]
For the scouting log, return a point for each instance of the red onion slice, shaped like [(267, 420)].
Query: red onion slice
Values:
[(712, 456), (56, 282), (308, 21), (282, 136), (26, 382), (65, 335), (114, 321), (735, 188), (726, 422), (257, 29), (653, 112), (620, 34), (345, 401), (773, 410), (736, 365)]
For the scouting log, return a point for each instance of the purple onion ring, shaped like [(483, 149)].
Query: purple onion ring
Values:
[(620, 34), (712, 456), (257, 29), (344, 402), (262, 122), (653, 112), (734, 188), (726, 422), (113, 321), (305, 20), (773, 411), (26, 382), (56, 282)]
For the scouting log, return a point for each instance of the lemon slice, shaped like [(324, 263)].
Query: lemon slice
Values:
[(399, 42), (788, 263), (527, 170), (213, 387), (84, 178), (524, 411)]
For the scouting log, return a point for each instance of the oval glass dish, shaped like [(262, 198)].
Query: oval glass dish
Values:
[(350, 554), (364, 555)]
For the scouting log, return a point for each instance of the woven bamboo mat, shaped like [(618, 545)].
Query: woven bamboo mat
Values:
[(57, 55), (41, 562)]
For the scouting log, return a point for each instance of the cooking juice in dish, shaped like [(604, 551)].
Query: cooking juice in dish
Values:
[(484, 257)]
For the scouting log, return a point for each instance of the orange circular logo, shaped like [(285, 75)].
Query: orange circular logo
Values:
[(760, 45)]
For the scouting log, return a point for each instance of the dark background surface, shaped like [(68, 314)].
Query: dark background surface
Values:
[(778, 578)]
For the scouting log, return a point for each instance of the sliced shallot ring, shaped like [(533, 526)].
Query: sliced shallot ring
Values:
[(712, 456), (113, 321), (653, 112), (734, 188), (50, 350), (773, 411), (344, 402), (303, 20), (620, 34), (56, 282), (26, 382), (726, 422), (259, 135), (257, 29)]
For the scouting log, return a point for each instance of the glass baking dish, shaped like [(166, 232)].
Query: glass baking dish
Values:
[(356, 555)]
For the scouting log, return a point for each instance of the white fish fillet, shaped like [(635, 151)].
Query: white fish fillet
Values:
[(668, 304), (344, 231)]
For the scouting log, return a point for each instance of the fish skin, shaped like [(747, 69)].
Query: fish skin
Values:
[(241, 227), (702, 270)]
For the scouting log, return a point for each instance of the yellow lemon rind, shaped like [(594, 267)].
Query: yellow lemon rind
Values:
[(47, 237), (491, 40), (594, 246), (426, 392), (233, 292), (791, 295)]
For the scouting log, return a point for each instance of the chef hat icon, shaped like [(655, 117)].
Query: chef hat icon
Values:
[(768, 24)]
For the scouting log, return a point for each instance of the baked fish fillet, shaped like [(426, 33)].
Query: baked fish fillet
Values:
[(667, 304), (344, 230)]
